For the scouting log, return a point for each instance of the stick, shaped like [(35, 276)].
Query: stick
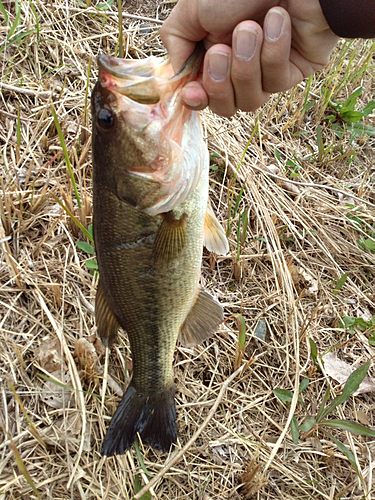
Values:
[(110, 14), (181, 453), (318, 186), (45, 94)]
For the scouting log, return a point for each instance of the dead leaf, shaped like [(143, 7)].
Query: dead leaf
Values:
[(55, 395), (88, 360), (363, 418), (304, 281), (49, 354), (340, 371), (85, 352)]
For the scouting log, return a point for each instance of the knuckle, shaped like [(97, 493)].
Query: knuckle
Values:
[(249, 105), (241, 76), (222, 111)]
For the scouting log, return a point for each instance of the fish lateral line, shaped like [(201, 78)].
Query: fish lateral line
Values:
[(143, 241)]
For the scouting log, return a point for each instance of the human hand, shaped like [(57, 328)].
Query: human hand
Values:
[(254, 47)]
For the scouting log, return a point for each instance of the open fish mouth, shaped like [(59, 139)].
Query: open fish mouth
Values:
[(130, 78), (144, 81)]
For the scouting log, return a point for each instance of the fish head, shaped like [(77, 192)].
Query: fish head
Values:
[(147, 146)]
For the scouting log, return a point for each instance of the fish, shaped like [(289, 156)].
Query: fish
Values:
[(151, 218)]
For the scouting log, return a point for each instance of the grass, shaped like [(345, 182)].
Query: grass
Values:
[(293, 184)]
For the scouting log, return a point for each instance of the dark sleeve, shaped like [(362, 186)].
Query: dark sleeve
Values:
[(350, 18)]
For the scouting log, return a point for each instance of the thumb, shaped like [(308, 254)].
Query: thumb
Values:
[(181, 31)]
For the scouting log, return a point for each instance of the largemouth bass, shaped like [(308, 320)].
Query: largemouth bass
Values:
[(151, 219)]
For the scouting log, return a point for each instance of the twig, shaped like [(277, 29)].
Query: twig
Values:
[(73, 371), (11, 115), (110, 14), (105, 376), (44, 94), (310, 184), (85, 302), (181, 453)]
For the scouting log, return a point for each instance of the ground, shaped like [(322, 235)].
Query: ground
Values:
[(297, 197)]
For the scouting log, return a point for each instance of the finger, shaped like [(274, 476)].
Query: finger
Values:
[(194, 96), (246, 72), (216, 80), (181, 31), (277, 71)]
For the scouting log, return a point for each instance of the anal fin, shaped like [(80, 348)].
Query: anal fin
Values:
[(214, 238), (202, 320), (170, 238), (106, 321)]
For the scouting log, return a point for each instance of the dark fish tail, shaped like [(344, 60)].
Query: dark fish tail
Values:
[(153, 416)]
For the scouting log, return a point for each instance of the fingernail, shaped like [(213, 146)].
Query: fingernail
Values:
[(274, 26), (246, 42), (193, 103), (218, 65)]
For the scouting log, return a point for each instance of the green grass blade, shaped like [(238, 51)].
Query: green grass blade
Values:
[(352, 385), (65, 386), (140, 459), (321, 409), (238, 253), (245, 224), (242, 331), (20, 463), (351, 101), (308, 424), (340, 283), (350, 426), (307, 93), (17, 39), (4, 12), (294, 430), (16, 21), (314, 351), (320, 143), (18, 145), (120, 35), (66, 155), (74, 219), (369, 108), (303, 385), (349, 455), (230, 203), (238, 201), (85, 247), (283, 394), (92, 264), (138, 486), (36, 19), (33, 429)]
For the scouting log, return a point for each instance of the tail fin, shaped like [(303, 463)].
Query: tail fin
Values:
[(152, 415)]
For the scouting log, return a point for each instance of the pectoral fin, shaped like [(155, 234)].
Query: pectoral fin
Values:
[(214, 238), (170, 238), (202, 320), (106, 321)]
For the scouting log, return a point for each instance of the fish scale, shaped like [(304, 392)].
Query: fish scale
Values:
[(152, 314), (151, 219)]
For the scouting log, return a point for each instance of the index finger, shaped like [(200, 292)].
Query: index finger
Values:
[(181, 31)]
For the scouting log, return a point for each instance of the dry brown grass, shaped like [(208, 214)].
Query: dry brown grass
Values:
[(299, 243)]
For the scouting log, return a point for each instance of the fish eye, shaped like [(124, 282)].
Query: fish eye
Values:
[(106, 119)]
